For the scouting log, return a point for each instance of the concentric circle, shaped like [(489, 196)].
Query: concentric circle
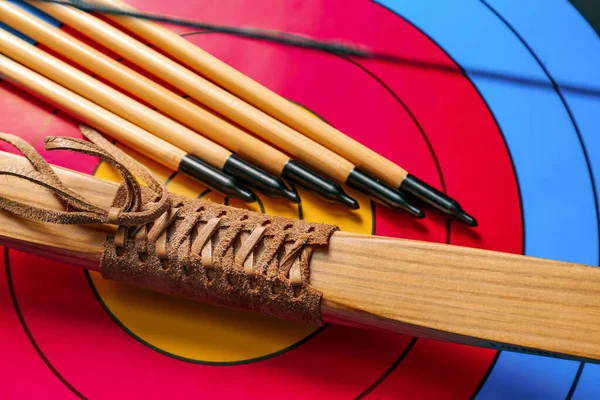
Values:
[(500, 148)]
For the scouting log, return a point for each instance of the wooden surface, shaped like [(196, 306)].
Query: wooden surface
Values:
[(197, 118), (207, 93), (471, 296), (92, 114), (112, 100), (259, 96), (460, 294)]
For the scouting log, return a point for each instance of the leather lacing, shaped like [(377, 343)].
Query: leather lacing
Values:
[(79, 209), (158, 233), (150, 223)]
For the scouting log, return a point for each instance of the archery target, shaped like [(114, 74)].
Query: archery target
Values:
[(516, 157)]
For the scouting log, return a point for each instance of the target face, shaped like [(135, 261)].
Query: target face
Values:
[(515, 156)]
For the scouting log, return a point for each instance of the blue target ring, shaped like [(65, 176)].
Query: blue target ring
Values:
[(545, 130)]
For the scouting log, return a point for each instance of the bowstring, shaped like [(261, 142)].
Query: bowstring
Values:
[(343, 49)]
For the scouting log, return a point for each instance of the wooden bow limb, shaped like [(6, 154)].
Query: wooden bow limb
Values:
[(476, 297)]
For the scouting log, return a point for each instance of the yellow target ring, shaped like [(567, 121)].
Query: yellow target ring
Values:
[(204, 333)]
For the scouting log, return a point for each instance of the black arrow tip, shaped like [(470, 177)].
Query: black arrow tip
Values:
[(435, 198)]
